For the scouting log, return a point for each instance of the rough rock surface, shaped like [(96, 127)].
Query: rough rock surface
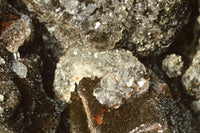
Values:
[(20, 69), (172, 65), (14, 31), (121, 74), (151, 25), (63, 27), (152, 107), (191, 77)]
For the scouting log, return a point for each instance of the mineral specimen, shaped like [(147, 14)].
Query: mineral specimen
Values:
[(20, 69), (121, 74), (114, 92), (196, 106), (37, 112), (149, 26), (172, 65), (14, 31), (191, 77), (88, 115)]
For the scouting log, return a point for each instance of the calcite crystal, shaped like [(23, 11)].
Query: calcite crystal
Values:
[(172, 65), (146, 25), (121, 74), (191, 77), (20, 69)]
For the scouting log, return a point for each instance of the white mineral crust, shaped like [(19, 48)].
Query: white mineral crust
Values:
[(120, 72)]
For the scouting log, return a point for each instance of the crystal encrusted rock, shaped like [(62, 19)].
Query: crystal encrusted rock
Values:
[(172, 65), (191, 78), (121, 74), (145, 26)]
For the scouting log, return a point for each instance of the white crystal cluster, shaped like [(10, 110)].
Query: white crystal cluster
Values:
[(120, 72), (20, 69), (172, 65)]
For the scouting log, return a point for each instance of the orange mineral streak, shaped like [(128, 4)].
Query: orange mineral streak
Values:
[(99, 117)]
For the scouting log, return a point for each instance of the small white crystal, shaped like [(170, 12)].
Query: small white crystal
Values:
[(2, 61), (121, 74), (1, 98), (20, 69), (1, 110)]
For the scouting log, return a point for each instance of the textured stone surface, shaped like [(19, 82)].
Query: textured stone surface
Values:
[(121, 74), (113, 102), (151, 25), (196, 106), (172, 65), (14, 31), (37, 112), (191, 77), (20, 69), (10, 95), (88, 115)]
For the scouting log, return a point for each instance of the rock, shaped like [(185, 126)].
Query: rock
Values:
[(14, 31), (2, 61), (196, 106), (9, 95), (20, 69), (37, 112), (122, 75), (153, 107), (148, 26), (172, 65), (191, 77)]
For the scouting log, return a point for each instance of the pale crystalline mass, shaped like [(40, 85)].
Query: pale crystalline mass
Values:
[(20, 69), (172, 65), (120, 72)]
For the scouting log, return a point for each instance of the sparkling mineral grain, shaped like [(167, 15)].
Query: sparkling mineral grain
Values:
[(2, 61), (147, 25), (172, 65), (191, 77), (20, 69), (121, 74), (196, 106), (14, 31), (154, 127)]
